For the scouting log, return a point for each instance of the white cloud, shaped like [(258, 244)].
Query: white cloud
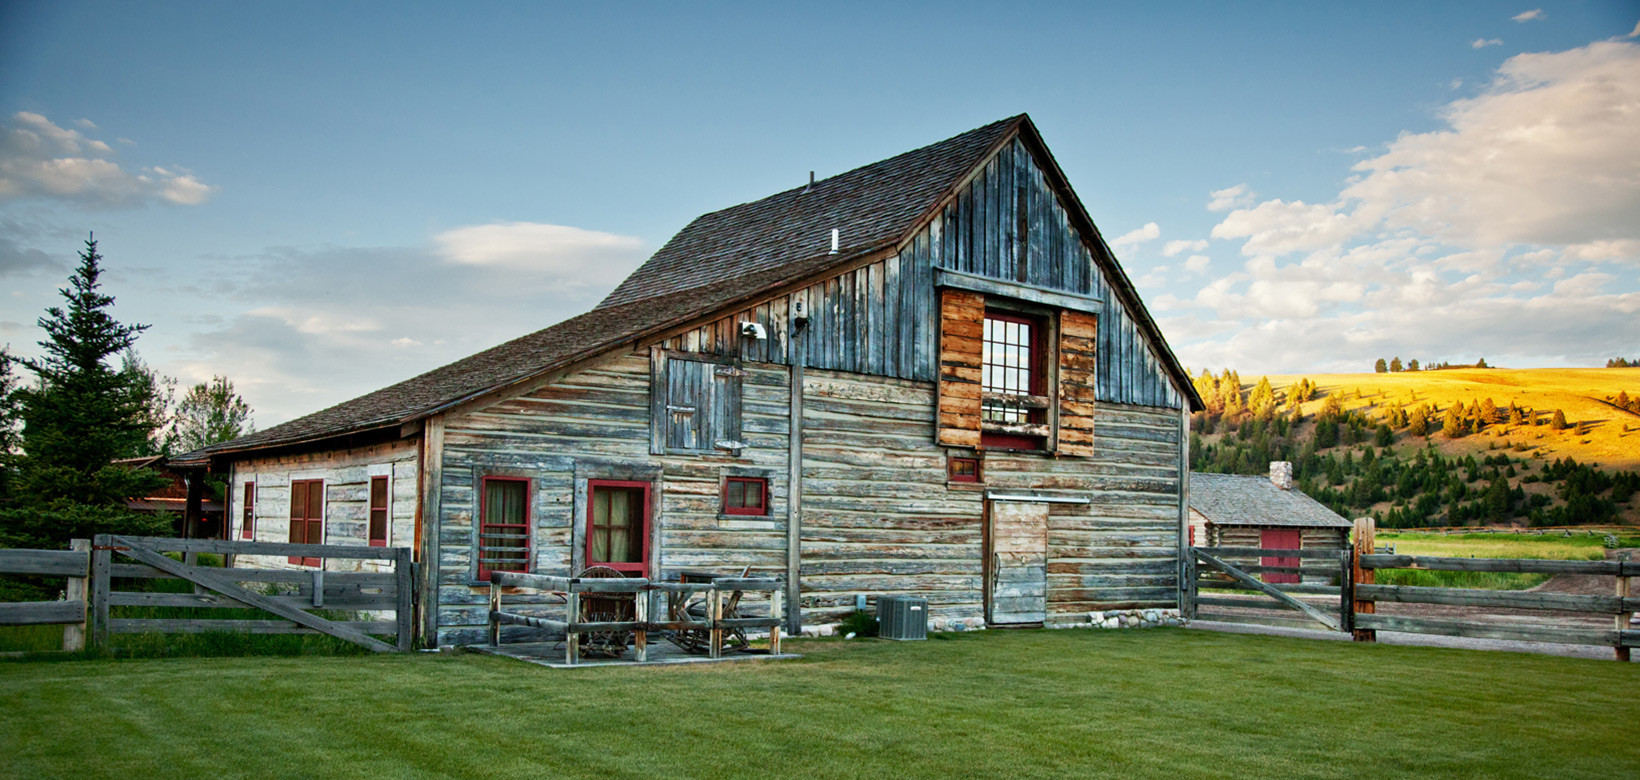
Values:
[(38, 159), (1481, 43), (1149, 232), (1229, 198), (1509, 233), (536, 247), (1172, 248), (1196, 264), (1527, 16)]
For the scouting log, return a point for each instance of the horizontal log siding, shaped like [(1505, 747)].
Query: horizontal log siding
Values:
[(347, 499), (877, 514), (599, 420), (1120, 551), (881, 319)]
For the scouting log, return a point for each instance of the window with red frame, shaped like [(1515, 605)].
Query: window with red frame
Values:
[(618, 526), (1012, 366), (247, 513), (745, 496), (379, 501), (307, 516), (504, 526), (964, 469)]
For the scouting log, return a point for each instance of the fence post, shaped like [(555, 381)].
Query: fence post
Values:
[(101, 560), (74, 633), (1366, 532), (1187, 610), (640, 613), (1621, 621), (495, 612), (1346, 590), (714, 613), (404, 612), (775, 610), (572, 616)]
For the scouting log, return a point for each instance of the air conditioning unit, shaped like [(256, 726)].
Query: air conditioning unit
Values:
[(902, 617)]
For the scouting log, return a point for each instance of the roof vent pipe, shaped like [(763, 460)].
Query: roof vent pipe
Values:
[(811, 182), (833, 242)]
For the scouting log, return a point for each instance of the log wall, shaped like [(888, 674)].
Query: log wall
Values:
[(347, 476)]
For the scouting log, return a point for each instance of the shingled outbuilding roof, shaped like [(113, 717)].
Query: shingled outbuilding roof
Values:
[(720, 259), (1235, 499)]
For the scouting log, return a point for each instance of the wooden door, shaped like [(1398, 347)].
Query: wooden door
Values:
[(1018, 573), (1280, 539)]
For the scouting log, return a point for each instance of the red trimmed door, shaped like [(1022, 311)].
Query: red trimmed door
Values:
[(1280, 539)]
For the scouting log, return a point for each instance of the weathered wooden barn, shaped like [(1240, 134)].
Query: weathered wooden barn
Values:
[(1235, 510), (926, 376)]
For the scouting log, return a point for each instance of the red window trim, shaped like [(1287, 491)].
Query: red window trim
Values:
[(483, 498), (1038, 384), (386, 510), (951, 469), (754, 511), (308, 521), (247, 512), (640, 569)]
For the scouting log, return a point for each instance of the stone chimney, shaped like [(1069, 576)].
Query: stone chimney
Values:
[(1281, 474)]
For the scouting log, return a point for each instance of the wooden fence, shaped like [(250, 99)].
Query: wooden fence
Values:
[(1236, 594), (715, 622), (69, 612), (287, 595), (1236, 585)]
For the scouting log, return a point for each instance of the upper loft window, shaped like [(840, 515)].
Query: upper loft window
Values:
[(699, 407), (1014, 403)]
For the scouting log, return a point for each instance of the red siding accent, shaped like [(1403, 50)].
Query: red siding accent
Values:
[(1281, 539)]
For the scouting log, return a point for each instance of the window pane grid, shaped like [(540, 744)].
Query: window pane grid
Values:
[(503, 533), (1007, 364)]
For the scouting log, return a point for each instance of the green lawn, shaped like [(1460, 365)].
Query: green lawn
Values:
[(1162, 703)]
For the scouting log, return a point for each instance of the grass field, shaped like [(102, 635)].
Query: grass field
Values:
[(1481, 545), (1163, 703), (1579, 392)]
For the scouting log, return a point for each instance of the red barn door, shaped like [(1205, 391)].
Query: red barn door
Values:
[(1280, 539)]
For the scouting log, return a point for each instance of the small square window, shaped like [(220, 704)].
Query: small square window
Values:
[(964, 469), (746, 496)]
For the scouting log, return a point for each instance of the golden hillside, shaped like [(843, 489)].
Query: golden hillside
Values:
[(1611, 438)]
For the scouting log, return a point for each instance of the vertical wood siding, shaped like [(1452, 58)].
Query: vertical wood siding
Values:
[(347, 498), (878, 517), (882, 319), (1078, 333), (597, 423), (962, 329)]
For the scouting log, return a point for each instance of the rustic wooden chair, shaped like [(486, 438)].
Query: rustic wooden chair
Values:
[(602, 608)]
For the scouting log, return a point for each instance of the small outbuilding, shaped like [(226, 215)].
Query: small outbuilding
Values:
[(1234, 510)]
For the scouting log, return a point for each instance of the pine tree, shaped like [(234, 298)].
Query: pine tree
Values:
[(1380, 367), (82, 415), (1413, 366), (1263, 399), (1453, 424), (9, 400), (1395, 365), (1558, 421)]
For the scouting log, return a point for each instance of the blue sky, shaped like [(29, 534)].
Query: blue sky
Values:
[(320, 199)]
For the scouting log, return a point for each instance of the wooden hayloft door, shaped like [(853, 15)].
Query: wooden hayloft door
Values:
[(1017, 574)]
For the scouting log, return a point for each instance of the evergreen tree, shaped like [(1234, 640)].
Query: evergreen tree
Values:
[(1395, 365), (1413, 366), (1385, 436), (9, 399), (1453, 424), (1380, 367), (1558, 421), (82, 415), (1263, 399)]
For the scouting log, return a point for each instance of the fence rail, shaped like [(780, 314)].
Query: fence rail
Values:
[(1268, 603), (87, 610), (715, 621)]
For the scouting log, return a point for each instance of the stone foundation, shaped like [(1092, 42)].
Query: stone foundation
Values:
[(1135, 618)]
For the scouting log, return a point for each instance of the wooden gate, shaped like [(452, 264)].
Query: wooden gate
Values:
[(1018, 587), (295, 591), (1236, 593)]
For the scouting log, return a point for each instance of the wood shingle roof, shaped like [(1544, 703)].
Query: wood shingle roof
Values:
[(1236, 499)]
